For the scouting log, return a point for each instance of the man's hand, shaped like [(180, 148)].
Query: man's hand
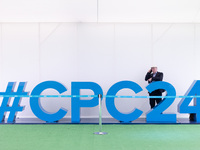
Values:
[(150, 71), (150, 79)]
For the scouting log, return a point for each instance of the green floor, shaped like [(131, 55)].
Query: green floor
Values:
[(81, 137)]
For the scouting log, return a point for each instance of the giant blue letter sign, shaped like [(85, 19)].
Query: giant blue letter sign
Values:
[(77, 103), (36, 105), (110, 104), (16, 102), (183, 106), (155, 115)]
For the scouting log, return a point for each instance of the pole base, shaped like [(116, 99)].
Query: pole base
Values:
[(100, 133)]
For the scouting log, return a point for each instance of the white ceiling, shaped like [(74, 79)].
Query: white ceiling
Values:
[(100, 10)]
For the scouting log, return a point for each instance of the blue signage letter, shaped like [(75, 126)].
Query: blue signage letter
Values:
[(110, 104), (156, 114), (183, 106), (77, 103), (36, 105)]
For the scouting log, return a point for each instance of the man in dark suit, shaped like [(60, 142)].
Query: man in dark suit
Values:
[(152, 76)]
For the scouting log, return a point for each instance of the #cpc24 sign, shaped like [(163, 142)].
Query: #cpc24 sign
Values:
[(154, 115)]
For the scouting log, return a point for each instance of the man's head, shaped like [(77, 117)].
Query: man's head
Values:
[(154, 69)]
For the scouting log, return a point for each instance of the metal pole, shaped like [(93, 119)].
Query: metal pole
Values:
[(100, 117)]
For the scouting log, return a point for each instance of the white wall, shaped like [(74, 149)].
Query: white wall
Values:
[(104, 53), (104, 41)]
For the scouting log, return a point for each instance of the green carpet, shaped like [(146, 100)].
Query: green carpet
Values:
[(81, 137)]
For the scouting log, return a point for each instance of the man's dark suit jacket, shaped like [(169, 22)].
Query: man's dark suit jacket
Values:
[(158, 77)]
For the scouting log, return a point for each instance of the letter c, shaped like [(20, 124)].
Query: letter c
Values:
[(136, 113), (36, 105)]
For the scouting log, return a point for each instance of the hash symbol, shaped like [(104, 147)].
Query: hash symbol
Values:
[(4, 108)]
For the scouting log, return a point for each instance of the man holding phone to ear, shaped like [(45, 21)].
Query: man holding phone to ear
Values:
[(152, 76)]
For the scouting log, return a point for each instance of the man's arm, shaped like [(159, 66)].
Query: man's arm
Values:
[(148, 76)]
